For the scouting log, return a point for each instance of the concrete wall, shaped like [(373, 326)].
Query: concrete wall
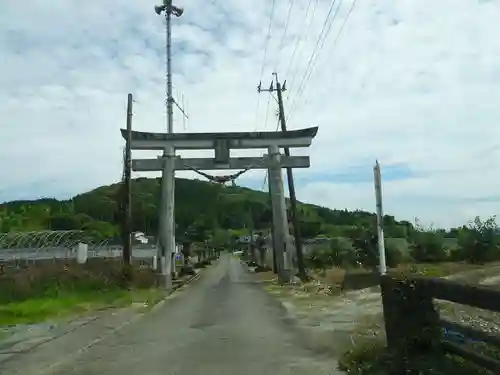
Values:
[(141, 252)]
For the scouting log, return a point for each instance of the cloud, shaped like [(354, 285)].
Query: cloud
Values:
[(412, 84)]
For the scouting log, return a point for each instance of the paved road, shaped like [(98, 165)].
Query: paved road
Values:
[(222, 324)]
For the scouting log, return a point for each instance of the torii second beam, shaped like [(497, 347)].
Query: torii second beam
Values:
[(151, 165)]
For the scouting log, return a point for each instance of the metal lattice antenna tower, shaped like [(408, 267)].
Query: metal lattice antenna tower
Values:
[(168, 8)]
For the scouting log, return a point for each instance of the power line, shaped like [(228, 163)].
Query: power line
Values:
[(280, 48), (268, 37), (264, 183), (300, 38), (351, 9), (271, 16), (327, 34), (343, 25), (314, 56), (335, 41), (320, 37)]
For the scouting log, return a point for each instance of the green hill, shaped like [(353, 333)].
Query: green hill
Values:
[(200, 205)]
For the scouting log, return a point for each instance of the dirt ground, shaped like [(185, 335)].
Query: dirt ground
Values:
[(333, 321)]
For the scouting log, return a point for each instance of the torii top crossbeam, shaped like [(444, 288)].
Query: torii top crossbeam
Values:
[(233, 140)]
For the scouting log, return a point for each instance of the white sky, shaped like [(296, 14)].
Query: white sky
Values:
[(415, 84)]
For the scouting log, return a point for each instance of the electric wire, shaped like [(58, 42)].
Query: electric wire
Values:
[(268, 37), (289, 72), (280, 48), (327, 26), (318, 40), (335, 41)]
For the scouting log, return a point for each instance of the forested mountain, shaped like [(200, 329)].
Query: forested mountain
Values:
[(206, 211), (200, 206)]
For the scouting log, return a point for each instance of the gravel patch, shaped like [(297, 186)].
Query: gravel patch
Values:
[(335, 321)]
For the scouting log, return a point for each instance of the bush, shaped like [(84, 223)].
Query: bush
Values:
[(373, 358), (262, 269), (394, 255), (367, 359), (428, 246), (317, 259), (52, 278), (343, 252), (478, 243), (338, 252)]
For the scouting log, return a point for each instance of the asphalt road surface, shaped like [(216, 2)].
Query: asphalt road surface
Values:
[(222, 324)]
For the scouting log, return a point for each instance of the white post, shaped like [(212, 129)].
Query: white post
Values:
[(380, 218), (82, 251)]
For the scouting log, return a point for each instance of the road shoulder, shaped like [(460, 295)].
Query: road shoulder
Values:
[(328, 324), (43, 348)]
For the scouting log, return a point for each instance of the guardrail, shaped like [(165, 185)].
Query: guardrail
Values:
[(414, 327)]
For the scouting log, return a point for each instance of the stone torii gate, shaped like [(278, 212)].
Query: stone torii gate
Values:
[(222, 143)]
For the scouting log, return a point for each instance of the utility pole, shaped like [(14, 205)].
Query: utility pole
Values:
[(289, 174), (125, 200), (280, 222), (167, 216)]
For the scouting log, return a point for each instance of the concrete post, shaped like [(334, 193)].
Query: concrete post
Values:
[(82, 251), (280, 221), (168, 222)]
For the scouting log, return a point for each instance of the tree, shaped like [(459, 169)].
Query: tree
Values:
[(100, 229), (478, 243), (309, 229), (220, 239), (200, 229), (66, 221)]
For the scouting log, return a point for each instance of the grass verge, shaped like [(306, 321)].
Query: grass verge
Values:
[(34, 292), (66, 304), (372, 358)]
